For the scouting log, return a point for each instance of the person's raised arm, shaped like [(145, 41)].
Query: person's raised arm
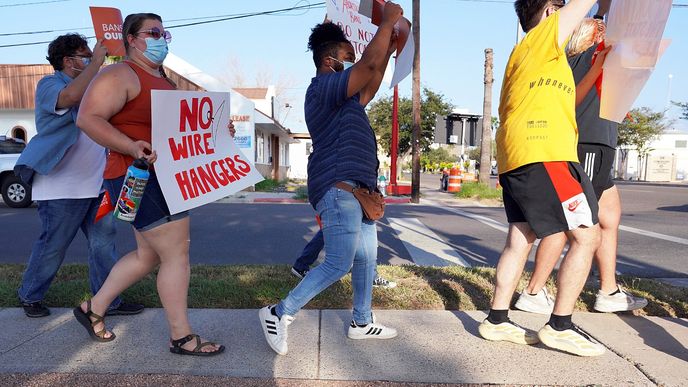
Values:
[(71, 95), (570, 16), (376, 53), (603, 7), (585, 85), (369, 91), (105, 97)]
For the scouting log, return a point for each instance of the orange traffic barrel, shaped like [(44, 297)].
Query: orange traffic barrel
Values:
[(454, 180)]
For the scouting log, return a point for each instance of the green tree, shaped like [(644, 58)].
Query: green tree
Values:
[(640, 127), (380, 115), (684, 108)]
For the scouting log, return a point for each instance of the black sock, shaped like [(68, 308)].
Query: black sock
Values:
[(273, 311), (615, 292), (498, 316), (560, 323)]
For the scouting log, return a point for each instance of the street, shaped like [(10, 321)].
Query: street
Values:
[(652, 239)]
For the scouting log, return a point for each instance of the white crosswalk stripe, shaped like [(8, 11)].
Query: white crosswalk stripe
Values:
[(425, 247)]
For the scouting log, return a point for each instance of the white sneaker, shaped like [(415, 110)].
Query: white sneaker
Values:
[(571, 340), (383, 283), (507, 331), (542, 302), (620, 301), (370, 331), (275, 329)]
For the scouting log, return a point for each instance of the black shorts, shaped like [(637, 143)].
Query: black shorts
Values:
[(597, 161), (551, 197)]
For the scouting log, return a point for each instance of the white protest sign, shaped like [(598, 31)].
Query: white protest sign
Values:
[(198, 162), (358, 28), (635, 32), (403, 64)]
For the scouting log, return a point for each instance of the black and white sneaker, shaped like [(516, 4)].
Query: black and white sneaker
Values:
[(275, 329), (380, 282), (298, 273), (35, 309), (370, 331)]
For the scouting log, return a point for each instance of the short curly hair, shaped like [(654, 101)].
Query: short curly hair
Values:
[(325, 40), (62, 46)]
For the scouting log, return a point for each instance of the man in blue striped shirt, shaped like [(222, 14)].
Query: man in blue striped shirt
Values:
[(345, 151)]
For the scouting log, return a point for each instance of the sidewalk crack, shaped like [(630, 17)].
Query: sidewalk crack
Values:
[(628, 359), (317, 369), (38, 334)]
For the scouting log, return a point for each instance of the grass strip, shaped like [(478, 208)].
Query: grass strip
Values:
[(254, 286)]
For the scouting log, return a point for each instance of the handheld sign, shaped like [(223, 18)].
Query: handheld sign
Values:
[(107, 22), (198, 162), (635, 32), (403, 64)]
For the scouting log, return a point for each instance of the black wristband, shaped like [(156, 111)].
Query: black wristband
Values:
[(598, 17)]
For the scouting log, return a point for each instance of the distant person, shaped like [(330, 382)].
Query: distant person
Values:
[(116, 113), (65, 169), (310, 254), (597, 140), (344, 156), (545, 189)]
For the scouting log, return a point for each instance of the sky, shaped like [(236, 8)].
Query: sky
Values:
[(272, 48)]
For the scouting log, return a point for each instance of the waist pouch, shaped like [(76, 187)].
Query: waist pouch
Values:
[(372, 202)]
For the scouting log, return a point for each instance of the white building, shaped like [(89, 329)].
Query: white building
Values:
[(667, 161), (260, 137)]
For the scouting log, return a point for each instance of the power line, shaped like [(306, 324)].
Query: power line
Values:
[(222, 18), (32, 3)]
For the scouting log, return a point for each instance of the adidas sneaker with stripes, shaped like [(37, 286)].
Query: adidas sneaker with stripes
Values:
[(370, 331)]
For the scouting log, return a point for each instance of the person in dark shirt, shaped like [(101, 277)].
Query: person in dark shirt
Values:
[(344, 156)]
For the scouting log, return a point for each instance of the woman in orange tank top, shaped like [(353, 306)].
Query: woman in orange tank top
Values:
[(116, 113)]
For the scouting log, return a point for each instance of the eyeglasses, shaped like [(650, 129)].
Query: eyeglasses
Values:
[(85, 59), (156, 34)]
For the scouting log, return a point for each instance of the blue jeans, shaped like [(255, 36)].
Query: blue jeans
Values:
[(350, 244), (61, 219), (310, 253)]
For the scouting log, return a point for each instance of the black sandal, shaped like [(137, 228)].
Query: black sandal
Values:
[(177, 346), (85, 320)]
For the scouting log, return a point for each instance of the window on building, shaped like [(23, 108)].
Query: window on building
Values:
[(681, 143), (260, 148), (283, 154), (269, 160)]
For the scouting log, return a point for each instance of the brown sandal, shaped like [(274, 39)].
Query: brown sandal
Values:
[(177, 346), (85, 320)]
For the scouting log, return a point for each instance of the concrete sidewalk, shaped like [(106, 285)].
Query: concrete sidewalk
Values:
[(432, 347)]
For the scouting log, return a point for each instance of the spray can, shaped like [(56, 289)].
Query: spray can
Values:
[(132, 190)]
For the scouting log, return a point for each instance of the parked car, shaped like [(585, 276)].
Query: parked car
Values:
[(15, 193)]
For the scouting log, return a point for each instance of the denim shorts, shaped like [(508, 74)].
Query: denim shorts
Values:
[(153, 210)]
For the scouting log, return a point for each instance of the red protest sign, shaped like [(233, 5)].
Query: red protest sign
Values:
[(107, 23)]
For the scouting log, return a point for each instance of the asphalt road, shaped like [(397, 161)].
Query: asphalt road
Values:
[(652, 241)]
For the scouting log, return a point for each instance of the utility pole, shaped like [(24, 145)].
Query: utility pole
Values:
[(415, 138), (486, 141)]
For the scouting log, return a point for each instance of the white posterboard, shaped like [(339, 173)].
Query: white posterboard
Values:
[(359, 29), (635, 32), (198, 161)]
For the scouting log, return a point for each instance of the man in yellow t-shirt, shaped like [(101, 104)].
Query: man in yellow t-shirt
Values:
[(545, 189)]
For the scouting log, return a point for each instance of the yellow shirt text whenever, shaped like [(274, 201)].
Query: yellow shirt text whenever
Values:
[(537, 107)]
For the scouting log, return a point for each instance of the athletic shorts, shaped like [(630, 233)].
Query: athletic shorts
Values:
[(551, 197), (597, 161), (153, 210)]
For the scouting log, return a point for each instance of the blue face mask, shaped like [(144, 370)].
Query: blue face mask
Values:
[(156, 50), (345, 64)]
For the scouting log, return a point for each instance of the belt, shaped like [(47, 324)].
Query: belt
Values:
[(344, 186)]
